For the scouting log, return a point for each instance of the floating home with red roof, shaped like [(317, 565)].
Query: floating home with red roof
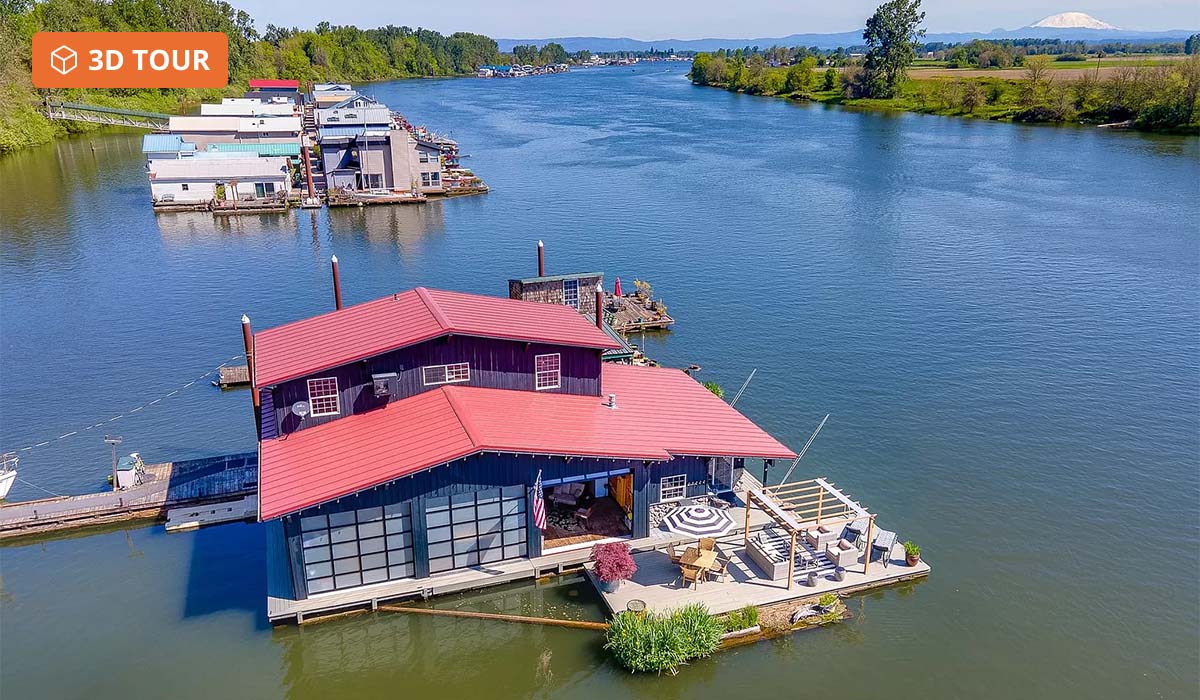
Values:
[(401, 440)]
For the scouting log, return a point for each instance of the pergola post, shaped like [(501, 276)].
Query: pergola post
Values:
[(867, 558), (749, 505), (792, 563), (820, 503)]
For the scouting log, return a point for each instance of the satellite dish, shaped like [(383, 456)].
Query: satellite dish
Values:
[(300, 408)]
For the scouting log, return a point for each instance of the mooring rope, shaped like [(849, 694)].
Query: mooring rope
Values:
[(130, 412)]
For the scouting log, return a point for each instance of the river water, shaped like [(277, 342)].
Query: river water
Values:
[(1004, 322)]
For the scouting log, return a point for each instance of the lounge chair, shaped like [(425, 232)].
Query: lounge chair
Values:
[(819, 536), (842, 553)]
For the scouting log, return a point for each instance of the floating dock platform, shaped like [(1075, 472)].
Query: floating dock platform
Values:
[(167, 486)]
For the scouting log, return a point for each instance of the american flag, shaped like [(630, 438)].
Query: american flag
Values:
[(539, 504)]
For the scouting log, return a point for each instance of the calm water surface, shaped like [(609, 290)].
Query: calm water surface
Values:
[(1004, 322)]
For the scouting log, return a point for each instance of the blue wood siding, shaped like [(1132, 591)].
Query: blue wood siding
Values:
[(268, 422), (695, 468), (498, 364), (475, 473)]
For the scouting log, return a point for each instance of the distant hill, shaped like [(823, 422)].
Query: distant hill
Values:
[(1076, 27)]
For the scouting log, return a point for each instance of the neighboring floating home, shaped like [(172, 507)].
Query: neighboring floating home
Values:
[(271, 89), (226, 177), (249, 107), (402, 438), (205, 130)]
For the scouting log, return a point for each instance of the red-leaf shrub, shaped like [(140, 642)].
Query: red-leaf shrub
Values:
[(613, 562)]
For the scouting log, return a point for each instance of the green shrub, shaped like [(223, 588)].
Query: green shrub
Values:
[(827, 600), (742, 619), (653, 642), (911, 549)]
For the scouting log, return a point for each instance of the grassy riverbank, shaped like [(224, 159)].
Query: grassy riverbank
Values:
[(1155, 94)]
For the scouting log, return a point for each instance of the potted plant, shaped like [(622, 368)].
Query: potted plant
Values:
[(614, 564), (912, 553)]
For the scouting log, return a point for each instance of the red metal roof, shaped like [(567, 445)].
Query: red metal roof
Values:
[(375, 327), (271, 83), (660, 413)]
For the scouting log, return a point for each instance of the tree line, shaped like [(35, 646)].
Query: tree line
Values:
[(1159, 97)]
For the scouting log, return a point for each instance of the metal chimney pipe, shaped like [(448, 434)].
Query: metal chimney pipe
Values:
[(248, 341), (541, 259), (600, 306), (612, 401), (337, 283)]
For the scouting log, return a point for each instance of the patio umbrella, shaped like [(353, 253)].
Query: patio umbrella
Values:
[(617, 288), (698, 521)]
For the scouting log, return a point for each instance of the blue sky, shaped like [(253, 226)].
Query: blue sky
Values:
[(691, 19)]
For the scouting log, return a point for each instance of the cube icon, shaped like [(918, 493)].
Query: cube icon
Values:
[(64, 59)]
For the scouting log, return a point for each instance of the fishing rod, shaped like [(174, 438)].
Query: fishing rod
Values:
[(805, 449)]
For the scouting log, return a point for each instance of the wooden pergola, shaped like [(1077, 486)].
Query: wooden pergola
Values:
[(800, 505)]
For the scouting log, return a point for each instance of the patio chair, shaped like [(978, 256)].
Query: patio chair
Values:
[(674, 554), (691, 575), (708, 544), (842, 553), (584, 514), (720, 569), (819, 536)]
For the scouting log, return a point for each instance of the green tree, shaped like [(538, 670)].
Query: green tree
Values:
[(830, 80), (800, 77), (1191, 45), (892, 35)]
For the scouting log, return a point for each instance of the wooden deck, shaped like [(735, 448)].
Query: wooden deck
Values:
[(656, 581), (634, 315)]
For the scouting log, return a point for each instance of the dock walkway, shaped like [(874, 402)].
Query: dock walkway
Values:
[(167, 485)]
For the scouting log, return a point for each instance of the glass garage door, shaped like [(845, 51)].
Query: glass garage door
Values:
[(475, 528), (357, 547)]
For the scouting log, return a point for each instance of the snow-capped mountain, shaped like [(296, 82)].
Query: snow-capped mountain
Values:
[(1072, 20)]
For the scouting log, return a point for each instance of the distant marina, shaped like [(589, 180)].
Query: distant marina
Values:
[(278, 147)]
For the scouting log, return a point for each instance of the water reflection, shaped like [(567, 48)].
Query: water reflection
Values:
[(449, 657), (404, 227)]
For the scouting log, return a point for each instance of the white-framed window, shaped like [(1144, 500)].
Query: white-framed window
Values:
[(446, 374), (672, 488), (431, 179), (547, 372), (323, 398), (571, 293)]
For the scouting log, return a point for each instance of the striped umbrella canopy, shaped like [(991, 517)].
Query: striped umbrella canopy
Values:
[(698, 521)]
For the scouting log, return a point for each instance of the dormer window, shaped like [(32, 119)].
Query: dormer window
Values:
[(571, 293), (446, 374), (323, 398), (547, 371)]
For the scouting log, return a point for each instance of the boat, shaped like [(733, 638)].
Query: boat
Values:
[(8, 472)]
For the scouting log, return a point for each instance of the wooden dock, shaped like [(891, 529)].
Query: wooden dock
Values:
[(344, 198), (237, 375), (631, 313), (167, 486)]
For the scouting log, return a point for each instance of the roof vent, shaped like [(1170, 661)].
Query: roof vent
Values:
[(612, 401)]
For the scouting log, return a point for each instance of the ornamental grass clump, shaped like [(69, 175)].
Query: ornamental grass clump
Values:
[(742, 619), (653, 642)]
